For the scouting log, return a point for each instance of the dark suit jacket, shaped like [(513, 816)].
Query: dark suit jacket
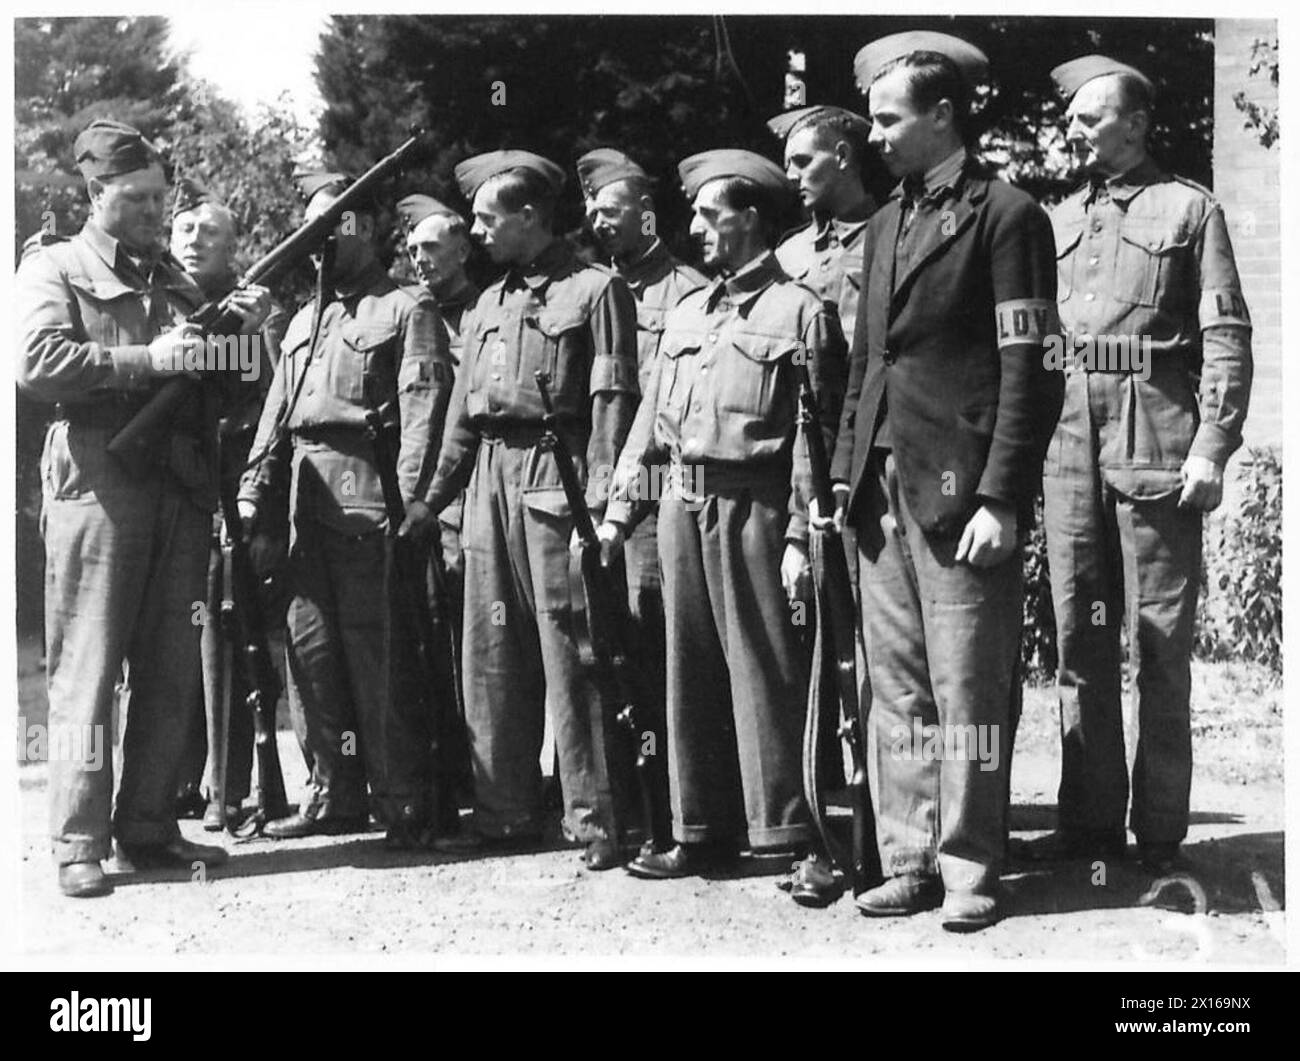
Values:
[(955, 347)]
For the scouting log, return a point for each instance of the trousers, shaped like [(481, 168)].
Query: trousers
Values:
[(941, 640), (346, 677), (1116, 558), (520, 654), (124, 587), (737, 675)]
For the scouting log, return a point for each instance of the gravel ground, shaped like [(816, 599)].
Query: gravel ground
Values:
[(325, 900)]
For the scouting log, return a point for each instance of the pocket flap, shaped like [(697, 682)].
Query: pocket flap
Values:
[(550, 500), (554, 321), (1067, 236), (1153, 240), (367, 336), (676, 344), (762, 347), (102, 289)]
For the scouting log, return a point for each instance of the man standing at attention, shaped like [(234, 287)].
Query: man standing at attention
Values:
[(1145, 268), (720, 414), (577, 323), (948, 410)]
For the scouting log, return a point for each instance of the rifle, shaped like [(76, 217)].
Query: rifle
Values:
[(434, 673), (837, 629), (604, 636), (248, 629), (138, 441), (218, 672)]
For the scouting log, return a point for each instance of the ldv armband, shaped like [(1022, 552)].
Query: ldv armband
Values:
[(1222, 305), (1026, 320)]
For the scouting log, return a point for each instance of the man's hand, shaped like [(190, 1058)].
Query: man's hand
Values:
[(169, 351), (989, 537), (252, 304), (824, 522), (796, 571), (419, 523), (247, 514), (611, 536), (1202, 485)]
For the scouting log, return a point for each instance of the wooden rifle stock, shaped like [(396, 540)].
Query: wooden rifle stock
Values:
[(836, 629), (139, 440), (605, 640)]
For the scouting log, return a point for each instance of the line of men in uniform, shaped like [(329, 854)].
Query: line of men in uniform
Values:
[(925, 327)]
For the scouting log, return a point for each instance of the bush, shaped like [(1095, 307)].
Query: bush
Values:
[(1241, 594), (1038, 630)]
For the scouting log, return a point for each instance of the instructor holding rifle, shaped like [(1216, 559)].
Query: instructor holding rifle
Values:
[(101, 322)]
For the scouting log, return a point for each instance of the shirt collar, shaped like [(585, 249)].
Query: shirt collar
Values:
[(646, 265), (360, 283), (110, 249), (748, 282), (939, 179), (1126, 185), (844, 230), (541, 270)]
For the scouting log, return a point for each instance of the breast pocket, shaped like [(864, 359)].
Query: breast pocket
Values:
[(679, 351), (748, 379), (555, 341), (365, 371), (111, 312), (1148, 254)]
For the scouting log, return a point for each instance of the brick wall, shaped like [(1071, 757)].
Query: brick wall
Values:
[(1246, 183)]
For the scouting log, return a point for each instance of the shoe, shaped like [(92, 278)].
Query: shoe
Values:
[(212, 820), (602, 855), (786, 881), (177, 853), (404, 835), (1160, 860), (969, 911), (662, 865), (190, 804), (901, 896), (306, 823), (814, 883), (1069, 845), (83, 880)]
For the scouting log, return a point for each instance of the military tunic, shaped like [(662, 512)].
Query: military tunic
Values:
[(383, 346), (826, 255), (125, 553), (578, 324), (1158, 367), (720, 418)]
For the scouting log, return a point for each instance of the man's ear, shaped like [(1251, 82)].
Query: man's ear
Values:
[(1139, 125), (462, 250), (94, 189), (942, 114), (843, 155), (753, 223)]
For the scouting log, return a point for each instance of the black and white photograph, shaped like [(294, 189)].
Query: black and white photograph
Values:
[(666, 489)]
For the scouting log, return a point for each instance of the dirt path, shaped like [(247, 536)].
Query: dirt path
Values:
[(335, 896)]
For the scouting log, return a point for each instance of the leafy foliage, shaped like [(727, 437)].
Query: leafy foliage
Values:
[(1038, 630), (1241, 595), (1261, 118)]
